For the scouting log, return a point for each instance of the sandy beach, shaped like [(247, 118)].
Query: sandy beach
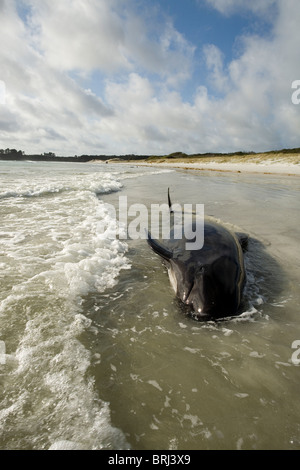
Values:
[(288, 164), (266, 168)]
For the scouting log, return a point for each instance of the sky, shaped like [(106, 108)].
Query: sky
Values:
[(145, 77)]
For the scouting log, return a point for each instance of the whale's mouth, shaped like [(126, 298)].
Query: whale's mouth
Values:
[(188, 311), (203, 310), (200, 315), (197, 311)]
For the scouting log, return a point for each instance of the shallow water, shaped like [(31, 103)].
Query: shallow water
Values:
[(100, 354)]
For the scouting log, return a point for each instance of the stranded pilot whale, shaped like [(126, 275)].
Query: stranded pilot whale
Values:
[(209, 280)]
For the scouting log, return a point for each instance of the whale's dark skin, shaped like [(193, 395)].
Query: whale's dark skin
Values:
[(209, 280)]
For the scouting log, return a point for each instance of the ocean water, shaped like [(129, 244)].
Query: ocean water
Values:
[(96, 351)]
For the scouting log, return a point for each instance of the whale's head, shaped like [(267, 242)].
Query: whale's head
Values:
[(210, 290), (209, 281)]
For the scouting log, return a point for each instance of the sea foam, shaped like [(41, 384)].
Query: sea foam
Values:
[(53, 255)]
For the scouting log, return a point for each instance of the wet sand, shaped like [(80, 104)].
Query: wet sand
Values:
[(189, 385)]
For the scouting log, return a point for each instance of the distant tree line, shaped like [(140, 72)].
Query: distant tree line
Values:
[(19, 153), (13, 154)]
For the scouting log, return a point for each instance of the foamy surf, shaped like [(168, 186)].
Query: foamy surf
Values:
[(53, 254), (24, 186)]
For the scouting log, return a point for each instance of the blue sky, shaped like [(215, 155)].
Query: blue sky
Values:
[(149, 77), (200, 25)]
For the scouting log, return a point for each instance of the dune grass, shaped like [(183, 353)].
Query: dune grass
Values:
[(282, 156)]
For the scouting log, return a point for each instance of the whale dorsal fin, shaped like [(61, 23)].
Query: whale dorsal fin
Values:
[(169, 202)]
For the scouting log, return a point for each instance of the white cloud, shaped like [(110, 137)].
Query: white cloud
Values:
[(44, 104), (84, 35), (214, 63), (254, 113), (227, 7), (141, 109), (2, 92), (89, 35)]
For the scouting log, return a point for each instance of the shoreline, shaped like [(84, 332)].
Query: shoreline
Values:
[(271, 168), (278, 166)]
